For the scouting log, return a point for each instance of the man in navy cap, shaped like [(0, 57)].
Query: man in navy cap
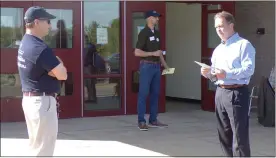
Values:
[(148, 48), (40, 71)]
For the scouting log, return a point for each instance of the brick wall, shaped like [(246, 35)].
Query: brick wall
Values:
[(250, 16)]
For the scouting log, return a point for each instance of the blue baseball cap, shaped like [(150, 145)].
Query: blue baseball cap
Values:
[(37, 12), (152, 13)]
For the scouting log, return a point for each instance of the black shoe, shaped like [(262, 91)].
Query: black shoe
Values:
[(157, 124), (143, 126)]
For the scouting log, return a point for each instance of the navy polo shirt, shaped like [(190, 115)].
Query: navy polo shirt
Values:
[(35, 59)]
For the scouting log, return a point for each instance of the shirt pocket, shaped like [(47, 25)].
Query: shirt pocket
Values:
[(233, 58)]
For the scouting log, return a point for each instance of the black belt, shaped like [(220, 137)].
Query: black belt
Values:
[(150, 62), (39, 94), (232, 86)]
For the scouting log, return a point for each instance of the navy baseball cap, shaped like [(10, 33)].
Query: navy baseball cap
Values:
[(152, 13), (37, 12)]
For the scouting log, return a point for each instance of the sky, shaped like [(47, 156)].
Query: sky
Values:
[(102, 12)]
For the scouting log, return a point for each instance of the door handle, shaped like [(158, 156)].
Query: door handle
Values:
[(8, 98)]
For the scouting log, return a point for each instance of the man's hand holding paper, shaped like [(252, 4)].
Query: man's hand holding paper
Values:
[(205, 71), (168, 71), (203, 65), (208, 72)]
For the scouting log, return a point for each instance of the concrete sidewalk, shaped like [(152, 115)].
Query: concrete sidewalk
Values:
[(191, 132)]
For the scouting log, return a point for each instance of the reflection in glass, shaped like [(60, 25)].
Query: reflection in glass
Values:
[(102, 36), (67, 86), (102, 95), (61, 34), (12, 29), (213, 38), (11, 85), (94, 63), (138, 23)]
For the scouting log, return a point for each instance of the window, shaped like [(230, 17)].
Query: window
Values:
[(102, 94), (11, 85), (67, 86), (61, 33), (102, 38), (213, 38), (214, 7), (12, 29), (138, 23)]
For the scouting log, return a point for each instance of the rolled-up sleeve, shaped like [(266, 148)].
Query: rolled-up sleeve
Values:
[(247, 63)]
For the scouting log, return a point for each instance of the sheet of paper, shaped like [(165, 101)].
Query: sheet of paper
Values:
[(102, 36), (202, 64), (168, 71)]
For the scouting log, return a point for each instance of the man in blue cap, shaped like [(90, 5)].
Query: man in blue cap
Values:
[(40, 71), (148, 48)]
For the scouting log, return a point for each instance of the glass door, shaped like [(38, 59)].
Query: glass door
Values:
[(210, 41), (64, 38), (12, 31), (102, 58)]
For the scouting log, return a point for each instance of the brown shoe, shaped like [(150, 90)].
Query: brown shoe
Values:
[(143, 126), (157, 124)]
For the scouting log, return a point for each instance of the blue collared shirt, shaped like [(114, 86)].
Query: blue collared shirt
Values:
[(237, 58)]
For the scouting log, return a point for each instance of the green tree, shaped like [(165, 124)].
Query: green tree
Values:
[(113, 37), (9, 35), (91, 31)]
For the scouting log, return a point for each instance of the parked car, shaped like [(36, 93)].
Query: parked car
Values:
[(114, 62)]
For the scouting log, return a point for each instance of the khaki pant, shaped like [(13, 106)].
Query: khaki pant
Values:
[(42, 123)]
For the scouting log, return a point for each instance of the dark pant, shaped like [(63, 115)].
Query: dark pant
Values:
[(150, 76), (232, 113), (90, 83)]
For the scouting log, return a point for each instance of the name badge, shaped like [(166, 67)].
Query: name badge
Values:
[(157, 39), (152, 38)]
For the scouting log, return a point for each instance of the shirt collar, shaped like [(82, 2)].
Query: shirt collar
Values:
[(150, 28), (231, 39)]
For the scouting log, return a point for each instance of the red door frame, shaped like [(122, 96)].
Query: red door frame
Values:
[(120, 111), (11, 109), (208, 96), (132, 62), (70, 105)]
